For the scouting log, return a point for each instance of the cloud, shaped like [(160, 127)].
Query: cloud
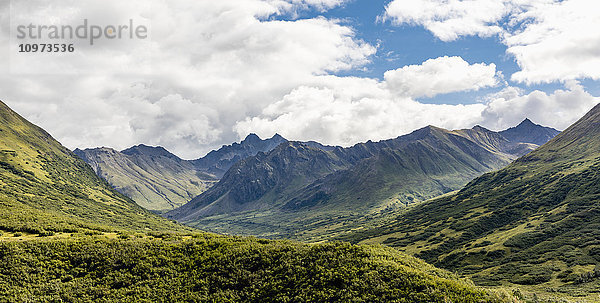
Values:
[(439, 76), (344, 111), (558, 42), (294, 5), (219, 70), (550, 40), (211, 63), (560, 109), (448, 20)]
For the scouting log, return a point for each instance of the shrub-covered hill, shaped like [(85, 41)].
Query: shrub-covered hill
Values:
[(45, 188), (221, 269)]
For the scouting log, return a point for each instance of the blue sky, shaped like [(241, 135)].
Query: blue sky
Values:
[(401, 45)]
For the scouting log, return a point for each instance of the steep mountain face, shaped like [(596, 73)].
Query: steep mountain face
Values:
[(425, 164), (158, 180), (533, 222), (219, 161), (151, 176), (277, 174), (45, 188), (297, 186), (529, 132)]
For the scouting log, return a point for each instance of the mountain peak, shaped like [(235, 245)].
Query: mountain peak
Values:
[(426, 128), (526, 122), (529, 132), (252, 137), (480, 128), (277, 137), (142, 149)]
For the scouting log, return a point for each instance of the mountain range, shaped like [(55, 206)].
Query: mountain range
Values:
[(531, 225), (535, 222), (159, 180), (67, 236), (297, 189)]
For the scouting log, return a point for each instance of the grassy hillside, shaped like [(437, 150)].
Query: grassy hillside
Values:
[(151, 176), (536, 222), (430, 162), (45, 188), (222, 269)]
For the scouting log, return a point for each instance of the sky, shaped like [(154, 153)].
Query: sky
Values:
[(338, 72)]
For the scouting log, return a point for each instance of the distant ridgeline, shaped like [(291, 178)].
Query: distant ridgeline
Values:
[(535, 222), (304, 191)]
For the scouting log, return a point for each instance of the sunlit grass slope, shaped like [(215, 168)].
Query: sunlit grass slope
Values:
[(45, 188)]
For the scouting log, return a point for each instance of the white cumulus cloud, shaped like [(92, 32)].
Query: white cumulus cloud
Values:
[(559, 42), (439, 76), (222, 69), (212, 64), (344, 111), (559, 109), (550, 40), (449, 19)]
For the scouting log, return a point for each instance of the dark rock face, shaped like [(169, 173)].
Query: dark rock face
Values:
[(249, 180), (217, 162)]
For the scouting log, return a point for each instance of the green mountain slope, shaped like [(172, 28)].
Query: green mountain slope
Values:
[(222, 269), (535, 222), (151, 176), (308, 192), (45, 188), (429, 162)]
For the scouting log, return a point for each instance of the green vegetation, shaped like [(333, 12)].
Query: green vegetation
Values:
[(221, 269), (535, 222), (45, 188)]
